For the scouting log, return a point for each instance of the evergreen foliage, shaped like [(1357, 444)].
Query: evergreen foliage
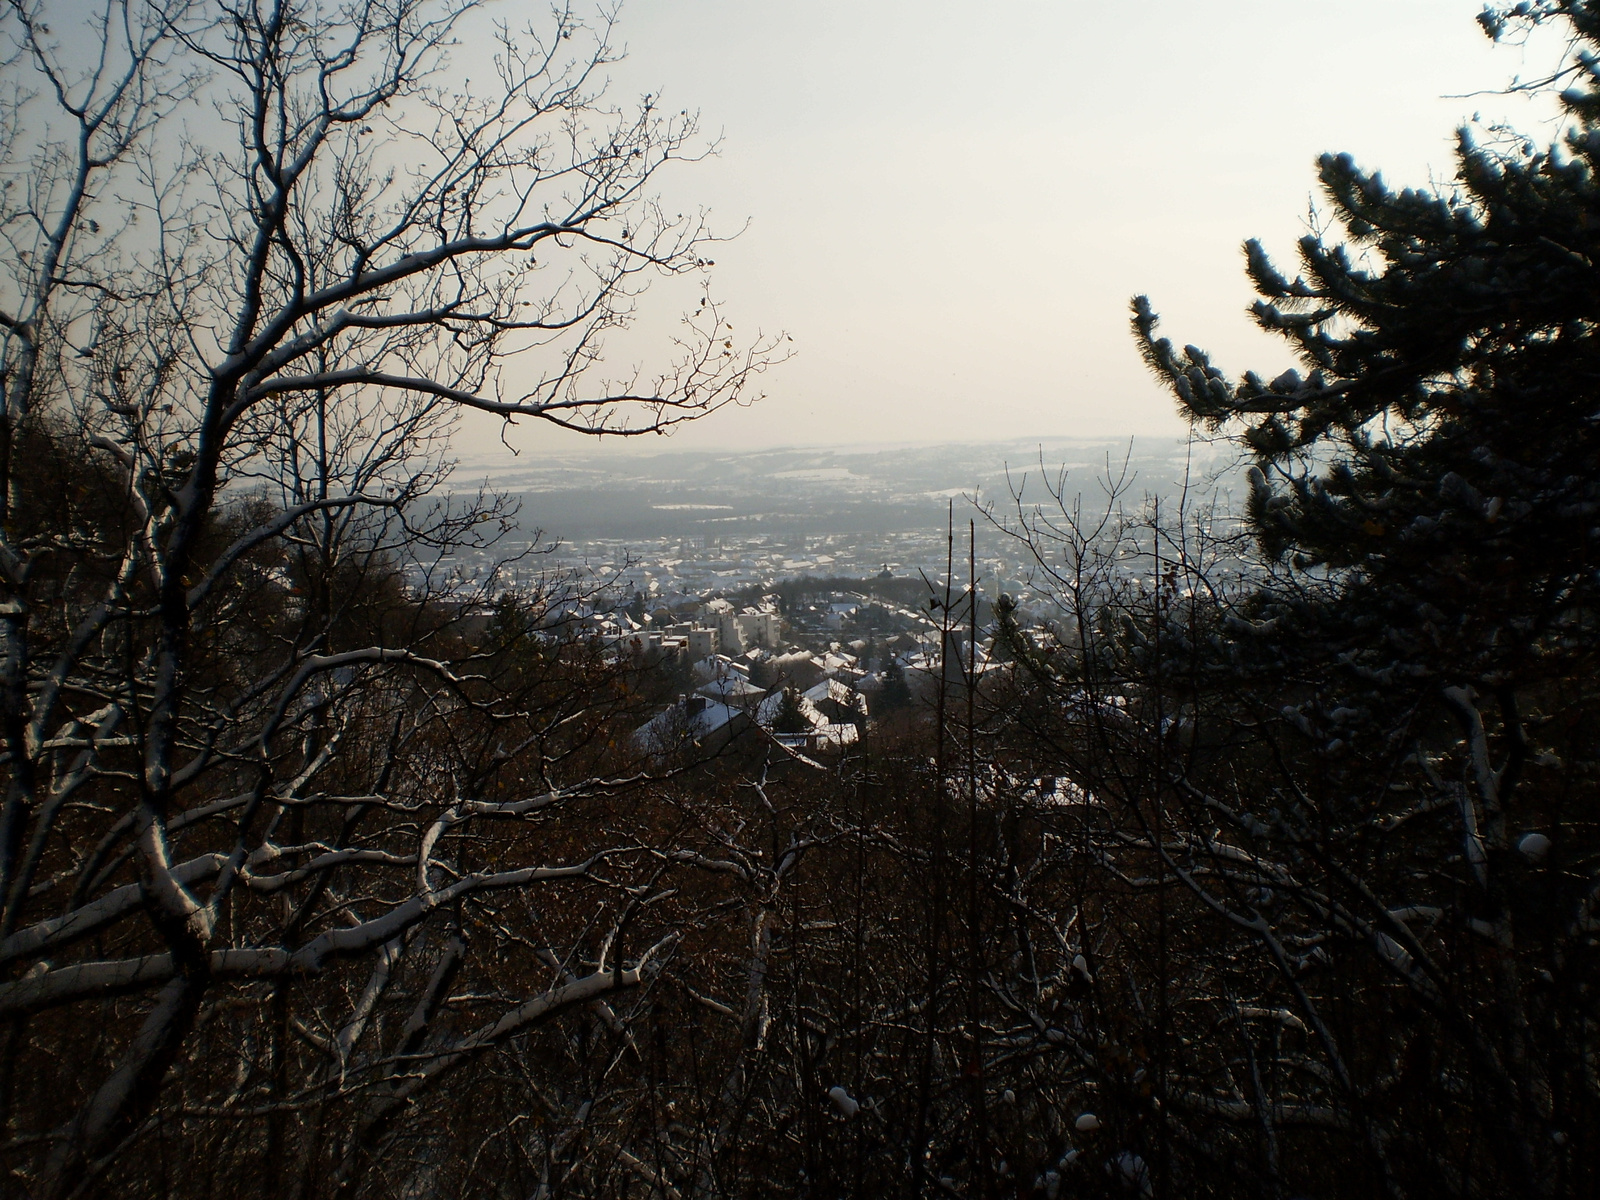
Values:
[(895, 693), (1440, 457), (791, 716), (1395, 729)]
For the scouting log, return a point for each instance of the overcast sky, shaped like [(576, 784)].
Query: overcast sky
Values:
[(949, 204)]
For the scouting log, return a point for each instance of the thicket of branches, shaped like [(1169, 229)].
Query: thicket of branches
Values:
[(258, 257)]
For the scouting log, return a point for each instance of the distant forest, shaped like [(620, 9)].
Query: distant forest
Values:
[(1266, 864)]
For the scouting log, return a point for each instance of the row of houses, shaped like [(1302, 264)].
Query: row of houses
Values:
[(716, 628), (828, 717)]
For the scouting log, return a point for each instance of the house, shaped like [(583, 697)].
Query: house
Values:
[(694, 720), (821, 738), (822, 732), (732, 688), (839, 703), (839, 612), (708, 725)]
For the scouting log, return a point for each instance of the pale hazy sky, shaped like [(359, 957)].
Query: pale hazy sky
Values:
[(950, 204)]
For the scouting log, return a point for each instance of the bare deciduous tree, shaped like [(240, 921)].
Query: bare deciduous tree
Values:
[(258, 257)]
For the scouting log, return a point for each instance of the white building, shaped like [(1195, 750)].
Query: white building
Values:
[(761, 628), (703, 643), (748, 630)]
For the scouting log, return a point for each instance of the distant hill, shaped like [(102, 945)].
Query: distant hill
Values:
[(699, 493)]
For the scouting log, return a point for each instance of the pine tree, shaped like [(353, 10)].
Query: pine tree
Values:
[(1440, 458), (791, 716), (895, 693), (1409, 704)]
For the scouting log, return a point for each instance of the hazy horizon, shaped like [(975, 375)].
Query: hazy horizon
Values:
[(494, 453), (949, 206)]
